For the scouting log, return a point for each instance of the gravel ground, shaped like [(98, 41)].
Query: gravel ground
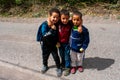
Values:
[(20, 54)]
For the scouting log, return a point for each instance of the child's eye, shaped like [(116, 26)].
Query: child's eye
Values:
[(63, 18), (74, 19)]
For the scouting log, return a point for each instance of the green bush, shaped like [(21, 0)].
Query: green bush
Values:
[(70, 2), (18, 2)]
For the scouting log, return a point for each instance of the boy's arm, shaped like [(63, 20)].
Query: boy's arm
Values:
[(44, 29), (50, 37), (86, 40), (51, 32), (38, 33)]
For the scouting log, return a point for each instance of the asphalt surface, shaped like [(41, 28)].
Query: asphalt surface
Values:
[(20, 54)]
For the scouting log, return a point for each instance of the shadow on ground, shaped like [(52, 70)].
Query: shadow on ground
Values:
[(98, 63), (89, 63)]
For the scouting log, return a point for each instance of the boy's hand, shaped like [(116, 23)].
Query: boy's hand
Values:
[(58, 45), (53, 27), (49, 22), (81, 50), (80, 29)]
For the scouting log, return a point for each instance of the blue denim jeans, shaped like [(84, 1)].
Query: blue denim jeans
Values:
[(64, 51)]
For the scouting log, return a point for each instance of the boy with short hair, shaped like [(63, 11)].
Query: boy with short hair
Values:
[(49, 39), (79, 41), (64, 30)]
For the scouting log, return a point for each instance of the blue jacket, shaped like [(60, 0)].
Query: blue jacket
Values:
[(79, 40), (50, 36)]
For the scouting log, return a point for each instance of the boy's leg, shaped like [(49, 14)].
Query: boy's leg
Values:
[(73, 56), (57, 61), (45, 56), (62, 55), (80, 59), (67, 59), (56, 57), (67, 55)]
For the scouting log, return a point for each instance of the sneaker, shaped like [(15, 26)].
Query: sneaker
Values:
[(59, 72), (73, 70), (67, 72), (80, 69), (44, 69)]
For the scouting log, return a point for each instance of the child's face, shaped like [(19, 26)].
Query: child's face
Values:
[(76, 20), (64, 19), (54, 17)]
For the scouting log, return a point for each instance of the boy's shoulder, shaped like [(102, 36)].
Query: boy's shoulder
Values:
[(44, 23), (85, 29), (39, 33)]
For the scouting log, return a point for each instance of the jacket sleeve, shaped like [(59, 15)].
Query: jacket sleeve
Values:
[(44, 29), (41, 31), (49, 33), (86, 39), (38, 34), (50, 38)]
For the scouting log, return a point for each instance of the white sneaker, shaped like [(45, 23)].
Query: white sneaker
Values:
[(44, 69), (59, 72)]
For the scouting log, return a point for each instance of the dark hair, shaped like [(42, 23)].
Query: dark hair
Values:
[(77, 13), (65, 12), (54, 10)]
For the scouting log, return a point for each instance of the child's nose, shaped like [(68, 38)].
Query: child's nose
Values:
[(75, 22), (65, 20)]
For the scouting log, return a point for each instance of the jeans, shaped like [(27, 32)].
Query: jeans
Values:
[(64, 51)]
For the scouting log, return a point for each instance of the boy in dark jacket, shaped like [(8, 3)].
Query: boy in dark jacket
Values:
[(79, 41), (48, 31)]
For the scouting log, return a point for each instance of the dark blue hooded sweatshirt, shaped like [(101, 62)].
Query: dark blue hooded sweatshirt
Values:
[(79, 40)]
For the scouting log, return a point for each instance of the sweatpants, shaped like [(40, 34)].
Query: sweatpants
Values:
[(46, 53), (76, 58)]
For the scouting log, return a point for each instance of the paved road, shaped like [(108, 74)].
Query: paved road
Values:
[(20, 54)]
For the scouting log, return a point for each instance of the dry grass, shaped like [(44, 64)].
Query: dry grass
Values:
[(40, 10)]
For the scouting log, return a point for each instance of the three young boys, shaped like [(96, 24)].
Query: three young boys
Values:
[(58, 32)]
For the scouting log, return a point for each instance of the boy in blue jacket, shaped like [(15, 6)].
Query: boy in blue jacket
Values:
[(47, 36), (79, 41)]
